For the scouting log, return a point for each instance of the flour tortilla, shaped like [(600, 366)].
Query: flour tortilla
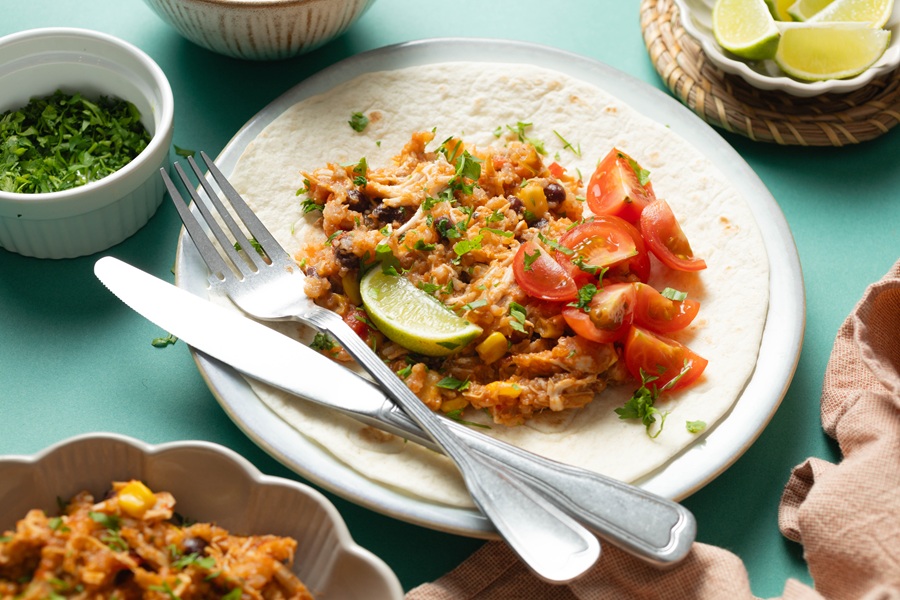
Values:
[(471, 101)]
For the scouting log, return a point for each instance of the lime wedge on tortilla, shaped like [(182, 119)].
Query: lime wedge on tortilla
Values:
[(411, 317), (803, 10), (745, 28), (814, 52), (874, 13)]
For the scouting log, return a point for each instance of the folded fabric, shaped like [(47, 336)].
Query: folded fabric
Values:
[(846, 516)]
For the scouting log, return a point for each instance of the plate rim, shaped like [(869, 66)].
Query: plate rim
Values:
[(782, 335)]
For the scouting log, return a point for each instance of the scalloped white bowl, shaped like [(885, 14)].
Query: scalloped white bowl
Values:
[(696, 17), (210, 483), (100, 214)]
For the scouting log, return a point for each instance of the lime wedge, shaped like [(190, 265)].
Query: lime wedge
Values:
[(411, 317), (745, 28), (817, 51), (803, 10), (779, 9), (875, 13)]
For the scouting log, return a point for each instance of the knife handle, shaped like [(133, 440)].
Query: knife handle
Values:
[(651, 527)]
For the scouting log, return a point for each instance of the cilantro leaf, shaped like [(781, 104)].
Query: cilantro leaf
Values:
[(358, 122)]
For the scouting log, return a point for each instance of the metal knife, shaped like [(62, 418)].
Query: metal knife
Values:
[(646, 525)]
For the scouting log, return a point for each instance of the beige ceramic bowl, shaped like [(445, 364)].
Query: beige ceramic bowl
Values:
[(102, 213), (210, 483), (260, 29)]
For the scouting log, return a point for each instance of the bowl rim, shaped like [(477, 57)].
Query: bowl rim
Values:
[(161, 136)]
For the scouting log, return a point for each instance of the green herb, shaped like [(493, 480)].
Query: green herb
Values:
[(501, 232), (447, 229), (405, 371), (234, 594), (475, 304), (358, 121), (456, 415), (640, 406), (695, 426), (567, 145), (57, 524), (390, 264), (494, 217), (555, 245), (578, 261), (673, 294), (63, 141), (464, 246), (256, 246), (165, 589), (519, 130), (309, 205), (643, 175), (360, 170), (111, 537), (322, 342), (517, 312), (452, 383), (585, 294), (530, 258), (5, 538), (421, 245), (184, 152)]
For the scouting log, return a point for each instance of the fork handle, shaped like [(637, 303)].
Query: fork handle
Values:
[(651, 527)]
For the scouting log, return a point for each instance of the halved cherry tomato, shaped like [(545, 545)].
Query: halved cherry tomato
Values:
[(609, 315), (616, 188), (540, 276), (597, 244), (358, 321), (666, 239), (660, 314), (662, 358)]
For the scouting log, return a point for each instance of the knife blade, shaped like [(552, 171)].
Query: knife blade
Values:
[(646, 525)]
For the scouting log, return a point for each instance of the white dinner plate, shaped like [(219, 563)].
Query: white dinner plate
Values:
[(680, 477)]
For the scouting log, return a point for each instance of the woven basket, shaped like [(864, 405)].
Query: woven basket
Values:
[(727, 101)]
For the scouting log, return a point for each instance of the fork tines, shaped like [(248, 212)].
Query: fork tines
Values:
[(260, 237)]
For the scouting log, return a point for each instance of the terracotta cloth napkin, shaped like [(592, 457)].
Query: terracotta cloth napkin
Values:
[(846, 516)]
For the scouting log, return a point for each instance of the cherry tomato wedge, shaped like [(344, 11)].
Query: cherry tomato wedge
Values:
[(540, 276), (609, 315), (661, 357), (618, 187), (661, 314), (596, 245), (666, 239)]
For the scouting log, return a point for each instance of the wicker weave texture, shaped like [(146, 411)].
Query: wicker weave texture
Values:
[(727, 101)]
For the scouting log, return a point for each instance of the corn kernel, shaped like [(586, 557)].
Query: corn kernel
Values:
[(492, 348), (504, 389), (533, 199), (455, 404), (135, 498), (351, 288)]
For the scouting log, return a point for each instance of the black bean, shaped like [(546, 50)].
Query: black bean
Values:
[(193, 545), (389, 214), (358, 201), (343, 252), (515, 204), (539, 224), (554, 193)]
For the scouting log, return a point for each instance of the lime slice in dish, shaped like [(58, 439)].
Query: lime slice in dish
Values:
[(803, 10), (745, 28), (819, 51), (779, 9), (411, 317), (874, 13)]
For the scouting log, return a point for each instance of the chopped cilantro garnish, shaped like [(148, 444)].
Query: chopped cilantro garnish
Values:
[(673, 294), (475, 304), (530, 258), (322, 342), (358, 121), (555, 245), (452, 383), (643, 175), (184, 152), (162, 342), (309, 205), (62, 141), (464, 246), (517, 312), (695, 426), (567, 145), (585, 294), (640, 406), (421, 245)]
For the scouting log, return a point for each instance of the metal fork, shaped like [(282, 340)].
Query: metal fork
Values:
[(270, 288)]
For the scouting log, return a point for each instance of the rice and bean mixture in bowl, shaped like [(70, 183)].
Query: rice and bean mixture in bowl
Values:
[(132, 544)]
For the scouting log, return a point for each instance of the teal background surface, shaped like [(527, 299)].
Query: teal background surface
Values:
[(73, 359)]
